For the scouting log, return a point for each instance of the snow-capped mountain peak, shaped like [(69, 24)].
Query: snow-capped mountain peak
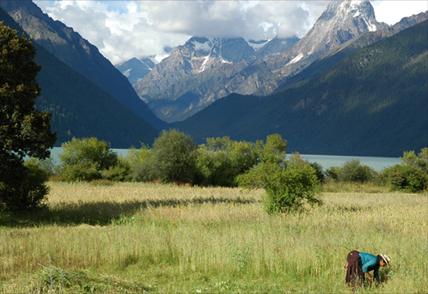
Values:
[(340, 22)]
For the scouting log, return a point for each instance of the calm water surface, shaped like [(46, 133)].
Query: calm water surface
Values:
[(326, 161)]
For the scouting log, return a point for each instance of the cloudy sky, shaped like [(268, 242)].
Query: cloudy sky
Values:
[(125, 29)]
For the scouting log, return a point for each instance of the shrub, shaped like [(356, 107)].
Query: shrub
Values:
[(85, 171), (220, 161), (411, 175), (333, 173), (420, 161), (287, 187), (83, 160), (47, 165), (353, 171), (405, 177), (145, 171), (121, 172)]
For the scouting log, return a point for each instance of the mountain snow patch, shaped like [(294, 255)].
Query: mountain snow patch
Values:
[(206, 46), (296, 59), (256, 45), (127, 72)]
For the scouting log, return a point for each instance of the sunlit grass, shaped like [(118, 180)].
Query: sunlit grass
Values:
[(132, 237)]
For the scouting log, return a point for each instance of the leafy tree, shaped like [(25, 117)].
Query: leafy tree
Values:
[(353, 171), (274, 149), (419, 161), (221, 160), (410, 175), (24, 131), (83, 159), (173, 156)]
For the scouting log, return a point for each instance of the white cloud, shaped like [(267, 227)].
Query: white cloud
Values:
[(392, 12), (125, 29)]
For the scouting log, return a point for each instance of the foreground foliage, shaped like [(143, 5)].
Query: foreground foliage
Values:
[(134, 237), (24, 131)]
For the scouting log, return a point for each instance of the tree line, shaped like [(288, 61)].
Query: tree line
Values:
[(175, 158)]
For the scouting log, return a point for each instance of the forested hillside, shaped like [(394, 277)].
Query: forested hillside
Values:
[(79, 54), (82, 109)]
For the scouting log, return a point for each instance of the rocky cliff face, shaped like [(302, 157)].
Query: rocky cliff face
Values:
[(178, 86)]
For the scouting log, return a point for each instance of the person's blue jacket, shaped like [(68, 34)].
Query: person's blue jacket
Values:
[(370, 262)]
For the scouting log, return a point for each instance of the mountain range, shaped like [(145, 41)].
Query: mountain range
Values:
[(372, 102), (326, 93), (205, 70)]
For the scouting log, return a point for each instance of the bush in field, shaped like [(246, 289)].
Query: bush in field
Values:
[(84, 159), (290, 187), (46, 165), (332, 173), (405, 177), (288, 183), (410, 175), (128, 167), (172, 159), (121, 172), (353, 171), (146, 171)]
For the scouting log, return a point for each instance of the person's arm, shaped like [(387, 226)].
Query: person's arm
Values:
[(376, 274), (369, 277)]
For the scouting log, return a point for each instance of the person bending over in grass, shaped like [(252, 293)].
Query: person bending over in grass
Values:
[(360, 263)]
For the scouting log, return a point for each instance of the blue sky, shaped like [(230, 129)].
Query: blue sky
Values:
[(125, 29)]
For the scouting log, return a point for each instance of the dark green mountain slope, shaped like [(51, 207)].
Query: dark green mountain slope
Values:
[(82, 109), (373, 102), (76, 52)]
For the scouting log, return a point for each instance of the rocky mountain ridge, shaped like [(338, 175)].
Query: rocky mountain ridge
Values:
[(199, 72)]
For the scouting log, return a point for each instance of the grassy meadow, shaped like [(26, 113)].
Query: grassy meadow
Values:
[(135, 238)]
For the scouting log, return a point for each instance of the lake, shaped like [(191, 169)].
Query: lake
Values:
[(326, 161)]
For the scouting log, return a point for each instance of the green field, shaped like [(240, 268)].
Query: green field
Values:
[(133, 238)]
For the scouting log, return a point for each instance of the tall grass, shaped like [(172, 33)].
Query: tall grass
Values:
[(145, 237)]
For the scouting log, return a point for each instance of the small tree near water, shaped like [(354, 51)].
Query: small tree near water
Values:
[(84, 159)]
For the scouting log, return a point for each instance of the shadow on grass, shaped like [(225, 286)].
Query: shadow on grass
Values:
[(100, 213)]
